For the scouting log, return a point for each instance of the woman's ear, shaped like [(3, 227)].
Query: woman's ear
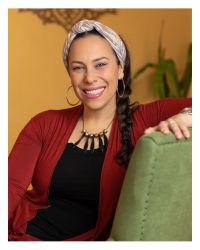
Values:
[(120, 72)]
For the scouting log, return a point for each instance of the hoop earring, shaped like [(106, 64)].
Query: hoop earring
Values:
[(121, 95), (71, 104)]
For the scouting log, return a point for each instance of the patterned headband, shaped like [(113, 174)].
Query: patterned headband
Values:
[(87, 25)]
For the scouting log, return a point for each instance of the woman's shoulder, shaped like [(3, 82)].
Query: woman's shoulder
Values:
[(57, 113), (56, 116)]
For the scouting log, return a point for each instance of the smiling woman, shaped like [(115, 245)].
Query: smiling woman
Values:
[(76, 158), (94, 71)]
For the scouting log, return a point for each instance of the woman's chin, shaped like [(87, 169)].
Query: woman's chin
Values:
[(94, 105), (100, 104)]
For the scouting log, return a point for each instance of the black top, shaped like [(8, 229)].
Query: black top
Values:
[(73, 195)]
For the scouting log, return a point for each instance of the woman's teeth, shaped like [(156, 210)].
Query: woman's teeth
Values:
[(94, 91)]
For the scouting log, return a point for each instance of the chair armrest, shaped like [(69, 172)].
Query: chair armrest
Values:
[(155, 203)]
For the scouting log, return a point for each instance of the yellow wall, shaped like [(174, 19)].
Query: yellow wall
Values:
[(38, 79)]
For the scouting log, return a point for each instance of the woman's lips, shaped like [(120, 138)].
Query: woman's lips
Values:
[(93, 93)]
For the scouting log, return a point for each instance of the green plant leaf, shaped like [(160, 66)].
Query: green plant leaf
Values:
[(171, 77), (187, 76), (142, 69), (159, 81)]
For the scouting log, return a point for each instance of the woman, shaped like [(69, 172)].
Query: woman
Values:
[(76, 158)]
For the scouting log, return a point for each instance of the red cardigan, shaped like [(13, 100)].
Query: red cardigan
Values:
[(41, 144)]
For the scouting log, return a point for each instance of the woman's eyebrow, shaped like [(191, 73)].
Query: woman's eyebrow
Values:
[(95, 60), (77, 62), (100, 58)]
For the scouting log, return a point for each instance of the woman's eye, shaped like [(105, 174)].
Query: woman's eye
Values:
[(77, 68), (99, 65)]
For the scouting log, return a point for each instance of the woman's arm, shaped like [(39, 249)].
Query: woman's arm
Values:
[(148, 116), (179, 124), (22, 162)]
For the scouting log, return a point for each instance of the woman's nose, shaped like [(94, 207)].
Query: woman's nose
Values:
[(90, 76)]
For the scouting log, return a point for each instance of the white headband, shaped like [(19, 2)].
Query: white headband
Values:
[(87, 25)]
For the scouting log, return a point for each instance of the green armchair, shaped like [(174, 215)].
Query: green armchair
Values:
[(155, 203)]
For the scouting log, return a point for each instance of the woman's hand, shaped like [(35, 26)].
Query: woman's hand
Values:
[(177, 124)]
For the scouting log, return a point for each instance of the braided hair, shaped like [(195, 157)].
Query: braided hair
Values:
[(124, 110), (124, 107)]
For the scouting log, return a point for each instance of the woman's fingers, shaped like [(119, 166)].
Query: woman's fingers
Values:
[(185, 131), (150, 130), (174, 127), (179, 130), (164, 127), (170, 124)]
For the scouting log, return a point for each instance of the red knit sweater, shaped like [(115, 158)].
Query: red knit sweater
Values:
[(40, 146)]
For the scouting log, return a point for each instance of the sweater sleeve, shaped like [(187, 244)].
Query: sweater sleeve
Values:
[(149, 115), (22, 161), (163, 109)]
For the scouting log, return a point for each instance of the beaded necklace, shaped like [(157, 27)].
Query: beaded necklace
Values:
[(90, 138)]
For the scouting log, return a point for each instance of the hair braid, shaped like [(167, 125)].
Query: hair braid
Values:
[(124, 110)]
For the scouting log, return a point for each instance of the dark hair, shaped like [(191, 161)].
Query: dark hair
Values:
[(124, 107), (124, 110)]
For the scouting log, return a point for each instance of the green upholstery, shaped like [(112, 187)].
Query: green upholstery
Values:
[(155, 203)]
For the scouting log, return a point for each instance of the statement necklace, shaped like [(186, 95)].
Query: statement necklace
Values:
[(90, 138)]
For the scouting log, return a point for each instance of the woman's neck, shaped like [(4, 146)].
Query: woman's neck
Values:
[(97, 120)]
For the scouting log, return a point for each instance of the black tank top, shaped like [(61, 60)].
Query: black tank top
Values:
[(73, 195)]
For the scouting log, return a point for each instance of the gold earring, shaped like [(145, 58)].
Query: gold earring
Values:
[(71, 104), (121, 95)]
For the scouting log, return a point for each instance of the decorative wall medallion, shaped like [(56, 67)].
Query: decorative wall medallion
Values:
[(67, 17)]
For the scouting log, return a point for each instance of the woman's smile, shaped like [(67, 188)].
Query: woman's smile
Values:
[(94, 92)]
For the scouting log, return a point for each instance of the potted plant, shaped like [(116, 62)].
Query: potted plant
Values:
[(166, 80)]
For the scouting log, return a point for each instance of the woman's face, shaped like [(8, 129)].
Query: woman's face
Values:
[(94, 71)]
